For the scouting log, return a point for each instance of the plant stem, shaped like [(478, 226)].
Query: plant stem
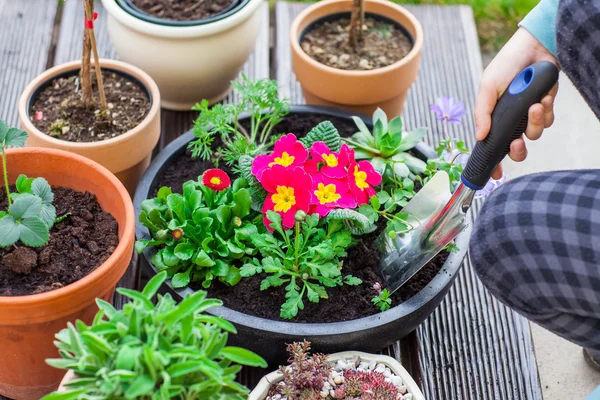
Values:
[(297, 244), (362, 146), (6, 177), (89, 15)]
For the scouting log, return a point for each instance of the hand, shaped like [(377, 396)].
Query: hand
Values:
[(522, 50)]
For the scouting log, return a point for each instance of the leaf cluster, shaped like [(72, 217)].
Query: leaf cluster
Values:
[(383, 300), (147, 351), (386, 147), (260, 100), (306, 260), (451, 166), (201, 234)]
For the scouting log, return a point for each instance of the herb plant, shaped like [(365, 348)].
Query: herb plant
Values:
[(147, 351), (386, 148), (306, 259), (257, 98), (382, 300), (30, 214), (203, 233)]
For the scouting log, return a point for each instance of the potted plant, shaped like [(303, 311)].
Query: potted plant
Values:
[(357, 56), (109, 114), (349, 375), (197, 47), (175, 351), (66, 238), (258, 314)]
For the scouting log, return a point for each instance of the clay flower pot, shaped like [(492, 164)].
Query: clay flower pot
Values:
[(262, 389), (189, 63), (127, 155), (28, 323), (361, 91)]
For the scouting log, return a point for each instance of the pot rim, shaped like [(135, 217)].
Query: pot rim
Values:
[(273, 377), (122, 247), (181, 32), (445, 276), (296, 33), (134, 72)]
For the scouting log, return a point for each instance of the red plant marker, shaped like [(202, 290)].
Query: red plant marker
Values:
[(89, 23), (39, 115)]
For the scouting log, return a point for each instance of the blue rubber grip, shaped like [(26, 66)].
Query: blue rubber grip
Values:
[(509, 121)]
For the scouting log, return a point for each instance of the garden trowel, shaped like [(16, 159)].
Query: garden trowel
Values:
[(436, 215)]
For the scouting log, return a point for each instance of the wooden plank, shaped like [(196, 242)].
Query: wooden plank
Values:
[(472, 347), (25, 42)]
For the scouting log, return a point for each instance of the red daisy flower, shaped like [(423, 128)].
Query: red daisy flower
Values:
[(216, 179)]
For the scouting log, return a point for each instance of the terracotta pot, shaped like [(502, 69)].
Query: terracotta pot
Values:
[(189, 63), (262, 389), (28, 323), (128, 155), (361, 91)]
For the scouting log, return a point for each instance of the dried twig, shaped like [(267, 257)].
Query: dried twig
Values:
[(89, 16)]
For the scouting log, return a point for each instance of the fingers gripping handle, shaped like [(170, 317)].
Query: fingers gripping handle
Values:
[(509, 121)]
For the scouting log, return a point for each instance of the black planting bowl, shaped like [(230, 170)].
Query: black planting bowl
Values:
[(268, 337)]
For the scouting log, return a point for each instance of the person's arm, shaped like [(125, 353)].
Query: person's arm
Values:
[(534, 41)]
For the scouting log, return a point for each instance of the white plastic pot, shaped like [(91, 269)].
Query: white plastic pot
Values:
[(189, 63), (262, 389)]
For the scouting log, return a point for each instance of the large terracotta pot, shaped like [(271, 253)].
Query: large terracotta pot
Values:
[(28, 323), (128, 155), (361, 91), (262, 389), (189, 63)]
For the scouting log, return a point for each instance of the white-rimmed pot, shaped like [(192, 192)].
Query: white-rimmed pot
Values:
[(262, 389), (189, 63)]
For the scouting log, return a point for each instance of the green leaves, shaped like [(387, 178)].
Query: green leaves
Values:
[(11, 137), (382, 300), (323, 132), (147, 351)]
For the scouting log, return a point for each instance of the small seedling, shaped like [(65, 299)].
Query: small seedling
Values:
[(382, 300)]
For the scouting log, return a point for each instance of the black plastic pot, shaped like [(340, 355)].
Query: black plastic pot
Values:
[(131, 8), (268, 337)]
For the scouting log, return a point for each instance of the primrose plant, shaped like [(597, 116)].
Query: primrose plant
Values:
[(30, 214), (260, 100), (386, 148), (202, 233), (147, 351)]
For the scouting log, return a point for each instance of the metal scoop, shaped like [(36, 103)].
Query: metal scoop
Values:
[(436, 215)]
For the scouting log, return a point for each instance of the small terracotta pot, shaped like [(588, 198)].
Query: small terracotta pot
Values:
[(262, 389), (361, 91), (127, 155), (28, 323), (189, 63)]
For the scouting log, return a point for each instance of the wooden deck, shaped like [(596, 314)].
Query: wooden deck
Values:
[(472, 347)]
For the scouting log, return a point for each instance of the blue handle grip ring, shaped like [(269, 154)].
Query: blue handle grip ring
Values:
[(522, 81)]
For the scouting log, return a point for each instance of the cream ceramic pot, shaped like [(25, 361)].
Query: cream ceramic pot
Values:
[(189, 63), (127, 155), (262, 389)]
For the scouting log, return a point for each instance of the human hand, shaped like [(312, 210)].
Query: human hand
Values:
[(522, 50)]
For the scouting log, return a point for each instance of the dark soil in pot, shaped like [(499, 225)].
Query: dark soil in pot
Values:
[(182, 10), (346, 302), (78, 245), (57, 109), (383, 43)]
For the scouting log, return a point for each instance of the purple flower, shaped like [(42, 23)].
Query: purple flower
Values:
[(492, 185), (447, 109)]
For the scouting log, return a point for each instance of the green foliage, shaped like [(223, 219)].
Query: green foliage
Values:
[(387, 206), (257, 98), (451, 248), (323, 132), (441, 163), (257, 192), (30, 214), (383, 300), (386, 148), (354, 221), (201, 234), (147, 351), (306, 260)]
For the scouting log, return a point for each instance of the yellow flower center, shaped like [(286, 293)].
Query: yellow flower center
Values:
[(327, 194), (286, 160), (215, 180), (284, 199), (330, 159), (360, 177)]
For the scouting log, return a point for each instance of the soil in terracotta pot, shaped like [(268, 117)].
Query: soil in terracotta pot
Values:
[(345, 302), (78, 245), (383, 44), (182, 10), (59, 112)]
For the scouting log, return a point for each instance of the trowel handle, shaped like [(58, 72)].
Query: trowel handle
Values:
[(509, 121)]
